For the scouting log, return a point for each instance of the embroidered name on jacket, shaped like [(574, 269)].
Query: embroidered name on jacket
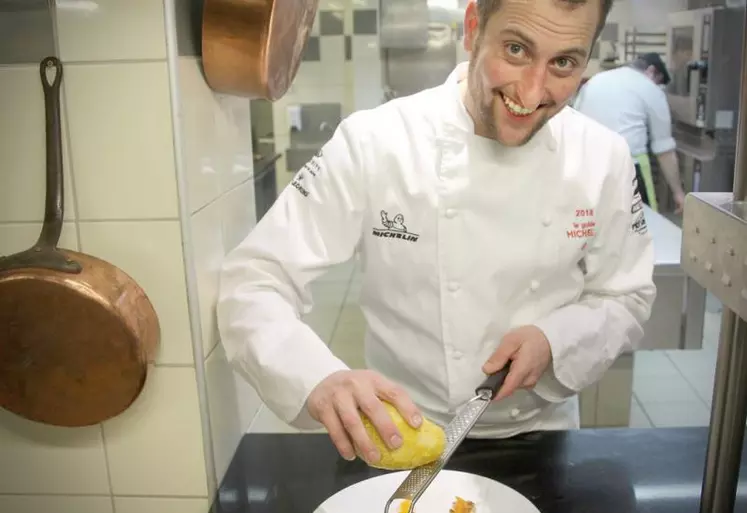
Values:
[(394, 228), (639, 225)]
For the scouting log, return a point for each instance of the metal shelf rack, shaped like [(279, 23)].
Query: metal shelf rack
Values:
[(637, 43)]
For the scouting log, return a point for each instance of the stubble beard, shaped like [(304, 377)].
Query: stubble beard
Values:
[(487, 106)]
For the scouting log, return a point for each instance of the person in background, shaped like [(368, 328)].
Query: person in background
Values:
[(494, 224), (630, 100)]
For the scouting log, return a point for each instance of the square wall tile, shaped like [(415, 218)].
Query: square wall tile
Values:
[(365, 22), (312, 50), (122, 141), (160, 505), (233, 403), (331, 23), (23, 151), (150, 252), (208, 250), (333, 56), (56, 504), (19, 237), (155, 447), (26, 32), (239, 215), (203, 156), (366, 51), (110, 30), (37, 458)]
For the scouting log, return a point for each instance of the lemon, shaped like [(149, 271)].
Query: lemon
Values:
[(419, 446)]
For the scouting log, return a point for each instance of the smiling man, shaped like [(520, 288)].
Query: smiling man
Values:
[(493, 224)]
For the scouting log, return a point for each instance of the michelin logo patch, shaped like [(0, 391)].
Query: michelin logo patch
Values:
[(638, 225), (394, 228)]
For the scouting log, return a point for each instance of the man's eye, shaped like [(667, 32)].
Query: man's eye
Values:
[(514, 49), (563, 63)]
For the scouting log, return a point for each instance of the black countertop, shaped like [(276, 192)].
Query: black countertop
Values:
[(584, 471)]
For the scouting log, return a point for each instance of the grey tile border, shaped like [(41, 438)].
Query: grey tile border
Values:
[(26, 35), (366, 22), (331, 23), (312, 50)]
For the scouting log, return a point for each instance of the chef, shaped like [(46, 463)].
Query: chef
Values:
[(493, 223), (630, 101)]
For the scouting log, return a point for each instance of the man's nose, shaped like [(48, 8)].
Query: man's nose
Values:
[(531, 89)]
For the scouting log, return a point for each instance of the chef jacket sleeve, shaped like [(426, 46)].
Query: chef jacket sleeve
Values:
[(264, 282), (588, 335)]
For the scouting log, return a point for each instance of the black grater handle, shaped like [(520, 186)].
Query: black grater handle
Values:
[(494, 382)]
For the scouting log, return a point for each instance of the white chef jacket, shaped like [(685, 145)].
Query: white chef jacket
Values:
[(461, 240)]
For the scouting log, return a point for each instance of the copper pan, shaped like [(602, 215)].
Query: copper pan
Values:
[(253, 48), (76, 332)]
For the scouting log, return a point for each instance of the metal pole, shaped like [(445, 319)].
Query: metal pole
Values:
[(729, 410)]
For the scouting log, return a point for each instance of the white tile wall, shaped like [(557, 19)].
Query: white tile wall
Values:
[(218, 169), (58, 504), (122, 143), (37, 460), (23, 147), (150, 252), (155, 447), (233, 406), (111, 30), (124, 204), (159, 505)]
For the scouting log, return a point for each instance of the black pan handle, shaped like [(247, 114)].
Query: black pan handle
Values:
[(54, 207), (494, 382)]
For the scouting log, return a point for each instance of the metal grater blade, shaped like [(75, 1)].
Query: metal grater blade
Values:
[(419, 478)]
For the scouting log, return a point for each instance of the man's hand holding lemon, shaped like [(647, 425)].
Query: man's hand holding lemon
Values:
[(367, 415)]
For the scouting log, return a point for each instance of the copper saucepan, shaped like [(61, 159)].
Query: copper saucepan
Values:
[(253, 47), (76, 332)]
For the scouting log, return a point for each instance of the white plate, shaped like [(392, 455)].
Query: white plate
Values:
[(370, 496)]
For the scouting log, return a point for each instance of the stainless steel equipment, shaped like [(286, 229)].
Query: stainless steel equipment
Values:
[(714, 253), (417, 481), (703, 53), (420, 50)]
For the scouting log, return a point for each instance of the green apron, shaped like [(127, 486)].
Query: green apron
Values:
[(646, 181)]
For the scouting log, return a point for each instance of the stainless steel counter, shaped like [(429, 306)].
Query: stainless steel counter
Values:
[(678, 313)]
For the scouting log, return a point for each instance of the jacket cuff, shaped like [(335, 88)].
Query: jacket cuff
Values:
[(565, 351), (302, 370)]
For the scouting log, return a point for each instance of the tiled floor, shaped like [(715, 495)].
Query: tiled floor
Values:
[(670, 388)]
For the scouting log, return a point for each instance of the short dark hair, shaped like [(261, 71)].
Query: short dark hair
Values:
[(643, 62), (485, 8)]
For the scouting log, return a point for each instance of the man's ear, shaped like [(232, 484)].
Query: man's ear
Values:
[(471, 26)]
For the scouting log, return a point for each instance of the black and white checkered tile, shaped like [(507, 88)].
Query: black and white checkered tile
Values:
[(335, 24)]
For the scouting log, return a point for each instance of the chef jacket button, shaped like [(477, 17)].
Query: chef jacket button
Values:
[(458, 355), (453, 286), (547, 221), (450, 213), (534, 285), (515, 413)]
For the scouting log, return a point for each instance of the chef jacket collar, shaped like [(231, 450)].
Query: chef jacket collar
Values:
[(457, 117)]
